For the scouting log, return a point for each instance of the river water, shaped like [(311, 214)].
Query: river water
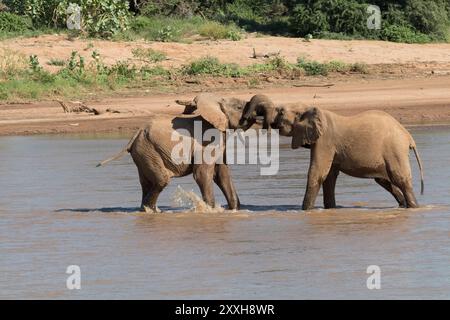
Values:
[(57, 210)]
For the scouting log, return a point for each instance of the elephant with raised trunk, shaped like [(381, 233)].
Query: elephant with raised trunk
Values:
[(371, 144), (151, 149)]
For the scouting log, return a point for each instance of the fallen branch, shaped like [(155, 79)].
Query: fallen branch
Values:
[(265, 55), (77, 107), (314, 85), (80, 107)]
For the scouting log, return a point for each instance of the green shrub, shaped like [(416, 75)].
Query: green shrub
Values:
[(347, 16), (215, 30), (149, 55), (338, 66), (394, 15), (179, 29), (429, 17), (241, 10), (99, 17), (359, 67), (312, 68), (56, 62), (39, 11), (403, 34), (163, 28), (337, 16), (306, 21), (181, 8), (234, 35), (211, 66), (10, 22)]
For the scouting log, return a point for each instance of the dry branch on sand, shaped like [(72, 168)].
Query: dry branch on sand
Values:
[(80, 107), (265, 55)]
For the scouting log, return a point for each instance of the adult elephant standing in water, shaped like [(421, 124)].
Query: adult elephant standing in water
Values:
[(152, 149), (371, 144)]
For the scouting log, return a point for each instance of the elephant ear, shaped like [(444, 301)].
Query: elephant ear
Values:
[(208, 107), (308, 127)]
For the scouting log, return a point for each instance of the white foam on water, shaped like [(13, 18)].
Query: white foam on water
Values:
[(190, 199)]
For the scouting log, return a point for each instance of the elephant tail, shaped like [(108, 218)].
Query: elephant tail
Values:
[(419, 161), (122, 152)]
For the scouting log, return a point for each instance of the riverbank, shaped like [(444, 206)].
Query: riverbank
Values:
[(419, 101)]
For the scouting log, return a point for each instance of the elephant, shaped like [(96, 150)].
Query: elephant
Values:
[(151, 149), (261, 105), (371, 144)]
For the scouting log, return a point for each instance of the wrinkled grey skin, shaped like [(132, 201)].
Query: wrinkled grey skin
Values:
[(151, 149), (369, 145)]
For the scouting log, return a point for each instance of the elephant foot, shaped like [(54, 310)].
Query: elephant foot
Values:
[(147, 209)]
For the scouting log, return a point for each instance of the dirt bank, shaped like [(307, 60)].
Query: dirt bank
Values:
[(423, 100), (368, 51)]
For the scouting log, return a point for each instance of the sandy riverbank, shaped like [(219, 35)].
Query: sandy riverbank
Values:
[(423, 100)]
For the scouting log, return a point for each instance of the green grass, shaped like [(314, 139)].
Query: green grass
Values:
[(25, 79), (314, 68), (57, 62), (215, 30), (149, 55), (177, 29)]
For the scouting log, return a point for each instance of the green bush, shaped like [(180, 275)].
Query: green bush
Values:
[(211, 66), (242, 10), (312, 68), (39, 11), (99, 17), (429, 17), (149, 55), (394, 15), (346, 16), (10, 22), (307, 21), (180, 8), (163, 28), (403, 34), (179, 29), (215, 30)]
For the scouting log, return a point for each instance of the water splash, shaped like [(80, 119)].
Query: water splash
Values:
[(189, 199)]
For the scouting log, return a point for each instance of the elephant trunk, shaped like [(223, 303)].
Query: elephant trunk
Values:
[(259, 105)]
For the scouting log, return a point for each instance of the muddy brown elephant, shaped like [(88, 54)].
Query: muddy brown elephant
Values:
[(369, 145), (151, 149)]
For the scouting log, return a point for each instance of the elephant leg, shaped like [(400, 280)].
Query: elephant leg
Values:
[(222, 178), (401, 178), (151, 191), (321, 161), (395, 191), (315, 180), (150, 199), (204, 175), (329, 185), (407, 189)]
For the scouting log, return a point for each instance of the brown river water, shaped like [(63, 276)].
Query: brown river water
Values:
[(57, 209)]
